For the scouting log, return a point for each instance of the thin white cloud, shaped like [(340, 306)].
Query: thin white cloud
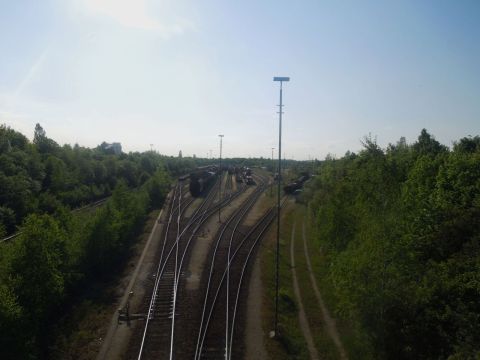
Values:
[(32, 71), (137, 14)]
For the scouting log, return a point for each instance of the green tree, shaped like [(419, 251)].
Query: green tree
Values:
[(399, 231), (38, 262), (43, 143), (37, 268), (13, 342)]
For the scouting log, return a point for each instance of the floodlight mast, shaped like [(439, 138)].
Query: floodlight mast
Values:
[(221, 178), (273, 171), (281, 79)]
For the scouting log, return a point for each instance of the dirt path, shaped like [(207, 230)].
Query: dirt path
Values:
[(329, 321), (301, 313)]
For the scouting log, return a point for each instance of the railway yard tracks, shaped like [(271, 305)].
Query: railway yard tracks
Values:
[(203, 322)]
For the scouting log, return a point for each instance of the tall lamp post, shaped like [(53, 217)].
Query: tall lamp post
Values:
[(220, 188), (273, 171), (277, 252)]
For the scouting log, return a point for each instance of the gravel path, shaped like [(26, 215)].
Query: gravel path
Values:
[(329, 321), (301, 314)]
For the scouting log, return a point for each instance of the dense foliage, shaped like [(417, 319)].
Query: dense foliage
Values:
[(58, 252), (41, 176), (400, 230)]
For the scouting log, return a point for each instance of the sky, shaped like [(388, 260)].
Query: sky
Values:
[(177, 73)]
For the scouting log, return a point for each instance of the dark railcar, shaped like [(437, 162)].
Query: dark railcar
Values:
[(296, 185), (202, 179)]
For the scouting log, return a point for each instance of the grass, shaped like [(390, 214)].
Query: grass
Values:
[(324, 344), (290, 344)]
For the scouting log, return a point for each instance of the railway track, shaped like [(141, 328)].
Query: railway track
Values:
[(159, 332), (245, 251), (182, 323), (234, 247)]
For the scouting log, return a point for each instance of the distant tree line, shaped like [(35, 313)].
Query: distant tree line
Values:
[(399, 230), (41, 176)]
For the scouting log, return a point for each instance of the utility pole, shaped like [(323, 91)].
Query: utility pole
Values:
[(277, 253), (273, 171), (221, 178)]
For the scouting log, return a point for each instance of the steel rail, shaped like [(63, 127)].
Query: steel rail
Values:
[(228, 277), (178, 266), (248, 204), (158, 275), (271, 213), (194, 232), (152, 300), (202, 219), (220, 286), (161, 268), (221, 283), (225, 272), (246, 237), (175, 278)]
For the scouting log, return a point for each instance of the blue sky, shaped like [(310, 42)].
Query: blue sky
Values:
[(176, 73)]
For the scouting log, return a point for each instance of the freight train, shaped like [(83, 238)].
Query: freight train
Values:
[(243, 174), (297, 184), (202, 178)]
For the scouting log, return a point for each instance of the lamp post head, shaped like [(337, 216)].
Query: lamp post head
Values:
[(281, 78)]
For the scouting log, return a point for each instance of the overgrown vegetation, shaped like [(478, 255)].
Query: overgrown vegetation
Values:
[(399, 229), (59, 252)]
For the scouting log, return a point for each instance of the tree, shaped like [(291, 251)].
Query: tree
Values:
[(467, 144), (43, 143), (55, 174), (7, 219), (399, 232), (157, 188), (37, 269), (39, 134), (426, 144), (13, 342)]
